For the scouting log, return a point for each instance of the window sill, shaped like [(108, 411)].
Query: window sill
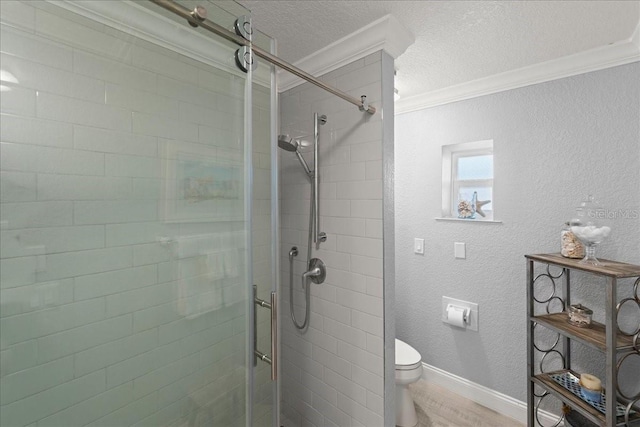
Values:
[(470, 221)]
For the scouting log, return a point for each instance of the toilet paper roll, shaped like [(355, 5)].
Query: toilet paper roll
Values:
[(455, 316)]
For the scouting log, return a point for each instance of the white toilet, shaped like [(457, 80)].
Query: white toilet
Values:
[(408, 370)]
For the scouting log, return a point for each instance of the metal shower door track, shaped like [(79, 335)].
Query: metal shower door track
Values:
[(208, 25)]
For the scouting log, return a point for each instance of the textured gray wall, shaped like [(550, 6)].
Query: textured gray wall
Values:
[(554, 143)]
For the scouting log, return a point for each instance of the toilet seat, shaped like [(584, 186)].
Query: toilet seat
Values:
[(407, 357), (408, 371)]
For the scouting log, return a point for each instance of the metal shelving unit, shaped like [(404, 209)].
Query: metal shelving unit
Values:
[(607, 338)]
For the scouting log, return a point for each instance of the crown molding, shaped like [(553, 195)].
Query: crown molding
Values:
[(386, 33), (620, 53)]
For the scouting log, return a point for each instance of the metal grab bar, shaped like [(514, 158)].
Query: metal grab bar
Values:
[(197, 20), (258, 355), (316, 183), (318, 236)]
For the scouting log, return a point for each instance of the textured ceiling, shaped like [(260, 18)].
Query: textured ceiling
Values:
[(456, 41)]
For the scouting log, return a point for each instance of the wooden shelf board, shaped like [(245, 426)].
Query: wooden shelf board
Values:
[(546, 382), (608, 268), (594, 336)]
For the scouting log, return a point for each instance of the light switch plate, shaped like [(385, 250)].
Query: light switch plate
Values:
[(460, 250), (418, 246)]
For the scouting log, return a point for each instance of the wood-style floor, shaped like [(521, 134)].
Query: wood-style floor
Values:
[(438, 407)]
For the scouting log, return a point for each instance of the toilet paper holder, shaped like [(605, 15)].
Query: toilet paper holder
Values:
[(458, 316)]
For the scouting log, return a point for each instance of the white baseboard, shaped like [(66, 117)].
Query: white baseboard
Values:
[(501, 403)]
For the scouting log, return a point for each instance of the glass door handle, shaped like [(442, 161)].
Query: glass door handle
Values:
[(274, 337), (258, 355)]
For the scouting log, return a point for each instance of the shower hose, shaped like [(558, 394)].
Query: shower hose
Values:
[(305, 280)]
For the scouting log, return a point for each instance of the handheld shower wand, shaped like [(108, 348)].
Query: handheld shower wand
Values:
[(315, 269), (293, 145)]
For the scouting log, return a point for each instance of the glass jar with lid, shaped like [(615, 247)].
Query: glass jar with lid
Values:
[(580, 316), (570, 245), (592, 229)]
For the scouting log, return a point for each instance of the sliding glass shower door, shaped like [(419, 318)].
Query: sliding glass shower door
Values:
[(131, 226)]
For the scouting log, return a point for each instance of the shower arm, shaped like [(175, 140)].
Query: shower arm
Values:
[(304, 165), (196, 19)]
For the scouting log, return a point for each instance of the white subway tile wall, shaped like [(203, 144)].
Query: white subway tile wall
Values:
[(122, 302), (332, 374)]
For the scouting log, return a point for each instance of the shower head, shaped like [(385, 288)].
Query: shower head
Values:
[(289, 144)]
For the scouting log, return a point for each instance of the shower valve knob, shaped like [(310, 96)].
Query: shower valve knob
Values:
[(322, 237), (317, 271)]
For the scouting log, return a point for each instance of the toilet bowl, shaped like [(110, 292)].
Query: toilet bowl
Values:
[(408, 370)]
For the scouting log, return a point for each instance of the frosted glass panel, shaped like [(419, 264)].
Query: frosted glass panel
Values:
[(124, 266), (475, 167), (263, 390)]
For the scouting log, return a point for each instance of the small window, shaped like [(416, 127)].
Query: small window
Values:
[(467, 180)]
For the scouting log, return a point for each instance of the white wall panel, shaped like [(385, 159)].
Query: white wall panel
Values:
[(343, 313)]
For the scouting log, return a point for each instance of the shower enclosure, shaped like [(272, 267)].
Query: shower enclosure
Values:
[(137, 209)]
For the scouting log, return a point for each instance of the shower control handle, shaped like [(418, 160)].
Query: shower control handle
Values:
[(312, 273), (317, 272)]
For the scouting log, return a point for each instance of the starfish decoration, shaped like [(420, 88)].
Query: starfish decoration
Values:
[(479, 205)]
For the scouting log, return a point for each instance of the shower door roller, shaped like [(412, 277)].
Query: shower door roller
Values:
[(258, 355), (245, 60), (243, 27)]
